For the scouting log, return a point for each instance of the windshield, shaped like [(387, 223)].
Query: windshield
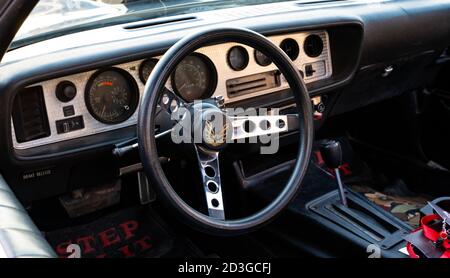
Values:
[(52, 18)]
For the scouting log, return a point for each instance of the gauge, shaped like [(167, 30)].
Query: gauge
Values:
[(146, 68), (262, 59), (194, 78), (313, 45), (237, 58), (290, 47), (111, 96)]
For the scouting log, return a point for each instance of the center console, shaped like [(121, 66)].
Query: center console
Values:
[(324, 215), (362, 219)]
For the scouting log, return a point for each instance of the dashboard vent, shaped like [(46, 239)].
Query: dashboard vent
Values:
[(314, 2), (158, 21), (29, 115), (253, 83)]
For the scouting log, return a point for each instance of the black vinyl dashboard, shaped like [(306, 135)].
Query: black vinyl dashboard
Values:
[(359, 41)]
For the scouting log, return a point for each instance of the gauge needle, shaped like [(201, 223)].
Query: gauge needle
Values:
[(182, 86), (103, 110)]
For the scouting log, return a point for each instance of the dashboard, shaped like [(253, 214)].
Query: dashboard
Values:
[(67, 101), (107, 99)]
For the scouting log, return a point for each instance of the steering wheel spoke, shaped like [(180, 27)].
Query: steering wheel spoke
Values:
[(209, 167), (252, 126), (170, 102)]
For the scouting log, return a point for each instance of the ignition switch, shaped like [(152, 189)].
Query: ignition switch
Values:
[(318, 107)]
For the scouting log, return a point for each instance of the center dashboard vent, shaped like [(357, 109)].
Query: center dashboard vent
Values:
[(253, 83), (29, 115)]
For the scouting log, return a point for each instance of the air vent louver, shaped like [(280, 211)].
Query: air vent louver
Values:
[(29, 115), (253, 83)]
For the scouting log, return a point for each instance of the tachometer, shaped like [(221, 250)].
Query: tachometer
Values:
[(194, 78), (111, 96)]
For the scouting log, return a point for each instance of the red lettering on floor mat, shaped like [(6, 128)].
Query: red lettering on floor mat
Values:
[(128, 228), (119, 240), (109, 237)]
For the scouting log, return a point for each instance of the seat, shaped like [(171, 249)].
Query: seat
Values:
[(19, 236)]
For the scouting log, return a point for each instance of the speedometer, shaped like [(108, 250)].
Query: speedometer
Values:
[(194, 78), (111, 96)]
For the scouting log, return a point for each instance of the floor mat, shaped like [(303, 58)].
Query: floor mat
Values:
[(404, 208), (133, 232)]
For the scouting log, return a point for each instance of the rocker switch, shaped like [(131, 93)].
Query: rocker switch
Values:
[(309, 70)]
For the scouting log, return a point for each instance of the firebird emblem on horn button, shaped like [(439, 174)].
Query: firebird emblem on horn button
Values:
[(212, 137)]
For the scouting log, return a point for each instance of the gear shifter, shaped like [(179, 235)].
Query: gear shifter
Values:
[(332, 156)]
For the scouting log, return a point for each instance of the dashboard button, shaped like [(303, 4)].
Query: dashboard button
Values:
[(68, 111)]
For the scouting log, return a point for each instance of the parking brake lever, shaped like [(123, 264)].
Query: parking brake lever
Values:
[(332, 156)]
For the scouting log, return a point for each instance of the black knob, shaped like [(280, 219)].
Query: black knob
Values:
[(331, 153), (66, 91)]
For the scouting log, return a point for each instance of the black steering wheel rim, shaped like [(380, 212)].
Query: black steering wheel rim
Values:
[(146, 132)]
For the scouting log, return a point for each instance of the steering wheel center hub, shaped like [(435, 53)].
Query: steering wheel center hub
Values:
[(216, 130), (213, 124)]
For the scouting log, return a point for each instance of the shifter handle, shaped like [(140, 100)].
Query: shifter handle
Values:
[(331, 153)]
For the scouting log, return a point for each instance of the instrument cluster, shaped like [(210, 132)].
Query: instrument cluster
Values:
[(108, 98)]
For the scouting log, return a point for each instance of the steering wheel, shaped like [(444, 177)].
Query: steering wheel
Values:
[(210, 147)]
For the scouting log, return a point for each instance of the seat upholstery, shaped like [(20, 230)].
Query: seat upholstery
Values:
[(19, 236)]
